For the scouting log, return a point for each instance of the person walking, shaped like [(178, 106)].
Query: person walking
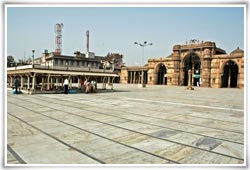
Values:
[(66, 85)]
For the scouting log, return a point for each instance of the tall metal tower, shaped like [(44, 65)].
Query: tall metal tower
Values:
[(58, 40), (87, 34)]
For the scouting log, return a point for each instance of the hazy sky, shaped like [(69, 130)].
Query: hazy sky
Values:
[(115, 29)]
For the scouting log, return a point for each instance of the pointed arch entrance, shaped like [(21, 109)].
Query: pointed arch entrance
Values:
[(162, 78), (192, 61), (230, 75)]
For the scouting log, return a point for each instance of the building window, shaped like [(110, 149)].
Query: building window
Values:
[(56, 62)]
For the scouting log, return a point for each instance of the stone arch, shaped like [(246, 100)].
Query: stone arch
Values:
[(161, 74), (191, 60), (229, 74)]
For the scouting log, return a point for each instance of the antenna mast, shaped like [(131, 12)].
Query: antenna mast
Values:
[(58, 40)]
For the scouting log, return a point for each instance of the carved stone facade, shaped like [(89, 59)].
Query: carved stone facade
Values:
[(210, 66)]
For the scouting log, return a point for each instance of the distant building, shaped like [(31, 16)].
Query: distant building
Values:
[(210, 65), (79, 60), (48, 71)]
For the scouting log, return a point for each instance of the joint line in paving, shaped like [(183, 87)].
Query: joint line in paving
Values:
[(170, 119), (55, 138), (158, 125), (185, 104), (90, 133), (16, 156), (128, 130)]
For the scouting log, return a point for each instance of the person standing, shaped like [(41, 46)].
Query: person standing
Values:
[(198, 84), (66, 85), (83, 85), (92, 85), (16, 84)]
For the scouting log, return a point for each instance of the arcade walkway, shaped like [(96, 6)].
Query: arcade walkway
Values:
[(130, 125)]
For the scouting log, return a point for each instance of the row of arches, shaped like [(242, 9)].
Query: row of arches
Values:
[(229, 77)]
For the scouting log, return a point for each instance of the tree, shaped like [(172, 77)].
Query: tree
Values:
[(114, 61), (29, 60), (115, 58), (20, 62), (10, 60)]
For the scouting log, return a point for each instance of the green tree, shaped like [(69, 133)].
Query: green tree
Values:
[(10, 60)]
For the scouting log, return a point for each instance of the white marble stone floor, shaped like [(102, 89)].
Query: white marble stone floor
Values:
[(128, 125)]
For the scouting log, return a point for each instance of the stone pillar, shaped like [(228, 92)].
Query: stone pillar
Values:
[(28, 82), (155, 77), (131, 77), (142, 77), (134, 77), (104, 83), (8, 81), (206, 66), (238, 79), (21, 82), (229, 78), (51, 83), (11, 81), (57, 83), (42, 84), (79, 82), (33, 82), (177, 61), (70, 82), (108, 80), (62, 81), (201, 77), (206, 74), (48, 85), (190, 80)]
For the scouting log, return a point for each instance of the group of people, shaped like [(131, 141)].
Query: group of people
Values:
[(86, 86)]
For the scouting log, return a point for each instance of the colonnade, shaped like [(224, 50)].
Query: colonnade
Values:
[(45, 82), (134, 77)]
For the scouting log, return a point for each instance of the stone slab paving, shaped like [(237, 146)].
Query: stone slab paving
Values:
[(129, 125)]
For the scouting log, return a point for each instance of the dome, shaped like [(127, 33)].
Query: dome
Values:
[(237, 50)]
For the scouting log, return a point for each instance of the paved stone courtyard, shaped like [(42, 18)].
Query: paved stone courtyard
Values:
[(129, 125)]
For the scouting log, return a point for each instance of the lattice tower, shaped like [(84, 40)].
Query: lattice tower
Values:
[(58, 40)]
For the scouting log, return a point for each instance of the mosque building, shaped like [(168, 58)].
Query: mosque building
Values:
[(210, 67)]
